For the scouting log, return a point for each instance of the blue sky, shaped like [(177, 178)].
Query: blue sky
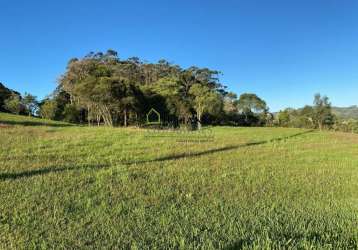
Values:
[(284, 51)]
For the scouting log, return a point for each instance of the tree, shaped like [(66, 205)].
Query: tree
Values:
[(48, 109), (31, 103), (250, 105), (268, 118), (176, 104), (5, 93), (205, 100), (71, 113), (89, 83), (352, 125), (114, 90), (306, 117), (322, 111), (128, 96), (13, 104), (230, 103), (283, 118), (347, 125)]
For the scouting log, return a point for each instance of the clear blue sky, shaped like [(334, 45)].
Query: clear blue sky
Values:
[(284, 51)]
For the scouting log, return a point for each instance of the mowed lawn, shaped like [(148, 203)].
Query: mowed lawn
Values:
[(72, 187)]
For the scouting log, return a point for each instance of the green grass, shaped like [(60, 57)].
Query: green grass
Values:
[(10, 119), (68, 187)]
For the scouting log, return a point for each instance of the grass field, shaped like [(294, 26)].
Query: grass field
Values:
[(68, 187)]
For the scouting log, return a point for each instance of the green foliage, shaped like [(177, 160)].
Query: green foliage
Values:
[(322, 112), (205, 100), (230, 103), (106, 188), (13, 104), (48, 109), (251, 103), (283, 118), (317, 116), (253, 108), (114, 89), (300, 118), (5, 93), (350, 125), (71, 113), (101, 88)]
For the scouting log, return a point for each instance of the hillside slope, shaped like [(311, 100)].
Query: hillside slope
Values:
[(10, 119), (346, 113)]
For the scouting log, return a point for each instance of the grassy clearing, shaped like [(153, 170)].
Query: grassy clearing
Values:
[(78, 187)]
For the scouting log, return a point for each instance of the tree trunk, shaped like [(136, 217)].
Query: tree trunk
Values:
[(125, 117), (88, 116), (246, 118), (199, 121), (320, 125), (109, 117), (106, 115)]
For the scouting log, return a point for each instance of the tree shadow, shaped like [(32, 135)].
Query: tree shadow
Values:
[(217, 150), (33, 123), (47, 170)]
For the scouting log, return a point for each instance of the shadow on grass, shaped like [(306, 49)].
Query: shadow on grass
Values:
[(239, 244), (43, 171), (33, 123), (222, 149)]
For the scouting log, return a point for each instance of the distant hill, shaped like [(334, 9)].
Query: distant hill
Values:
[(346, 113), (5, 93)]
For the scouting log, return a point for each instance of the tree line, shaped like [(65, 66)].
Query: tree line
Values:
[(103, 89), (317, 116)]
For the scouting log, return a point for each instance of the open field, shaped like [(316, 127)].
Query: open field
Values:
[(69, 187)]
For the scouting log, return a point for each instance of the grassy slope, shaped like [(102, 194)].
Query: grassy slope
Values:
[(229, 188), (13, 120)]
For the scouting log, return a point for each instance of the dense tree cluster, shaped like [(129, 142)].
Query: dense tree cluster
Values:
[(12, 101), (317, 116), (101, 88)]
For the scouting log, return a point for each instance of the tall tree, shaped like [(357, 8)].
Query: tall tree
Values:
[(230, 103), (323, 115), (48, 109), (205, 100), (251, 104), (283, 118), (31, 103)]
